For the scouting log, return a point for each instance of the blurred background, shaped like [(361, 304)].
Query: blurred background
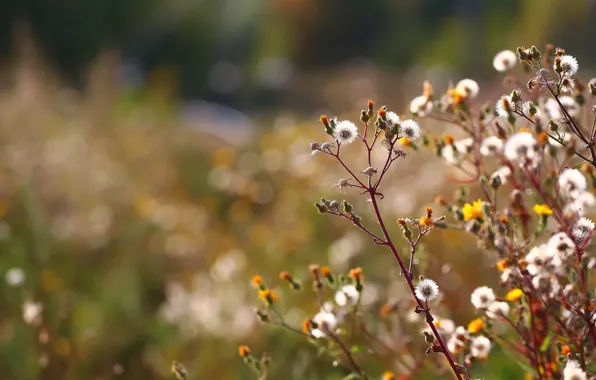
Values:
[(154, 156)]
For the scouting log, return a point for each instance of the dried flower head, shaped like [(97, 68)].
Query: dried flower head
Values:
[(482, 297), (469, 87), (345, 132), (427, 290), (410, 129), (573, 371), (504, 60), (480, 347)]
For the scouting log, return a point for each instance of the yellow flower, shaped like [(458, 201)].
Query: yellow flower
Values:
[(257, 280), (268, 296), (473, 211), (502, 265), (405, 141), (514, 295), (243, 351), (542, 210), (475, 326), (388, 375), (426, 221)]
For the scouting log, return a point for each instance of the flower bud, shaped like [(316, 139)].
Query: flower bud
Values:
[(314, 146)]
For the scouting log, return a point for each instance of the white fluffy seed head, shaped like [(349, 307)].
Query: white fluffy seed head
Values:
[(569, 65), (504, 60), (469, 87), (410, 129), (345, 132), (482, 297), (427, 290)]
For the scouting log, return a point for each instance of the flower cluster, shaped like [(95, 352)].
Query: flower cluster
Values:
[(532, 155)]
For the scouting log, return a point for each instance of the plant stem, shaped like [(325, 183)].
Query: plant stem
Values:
[(408, 276)]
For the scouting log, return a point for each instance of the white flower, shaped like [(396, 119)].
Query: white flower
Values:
[(579, 205), (567, 85), (468, 87), (393, 118), (569, 65), (572, 183), (504, 60), (427, 290), (421, 106), (573, 371), (491, 145), (523, 148), (325, 321), (504, 106), (504, 172), (347, 294), (497, 309), (540, 260), (345, 132), (454, 345), (450, 154), (509, 273), (562, 245), (15, 277), (482, 297), (32, 312), (465, 145), (410, 129), (480, 347), (583, 229)]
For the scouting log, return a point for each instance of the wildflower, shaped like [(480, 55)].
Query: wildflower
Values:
[(325, 271), (482, 297), (468, 87), (502, 265), (573, 371), (582, 229), (410, 129), (504, 60), (454, 345), (388, 375), (504, 106), (581, 203), (497, 309), (307, 326), (356, 274), (369, 172), (420, 106), (480, 347), (345, 132), (542, 210), (565, 350), (539, 260), (503, 173), (425, 221), (15, 277), (475, 325), (268, 296), (257, 280), (562, 245), (243, 351), (491, 145), (465, 145), (324, 322), (567, 85), (514, 295), (427, 290), (392, 118), (568, 65), (571, 183), (405, 141), (347, 294), (445, 326), (473, 211), (523, 149)]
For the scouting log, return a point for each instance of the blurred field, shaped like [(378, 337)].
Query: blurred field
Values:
[(132, 218)]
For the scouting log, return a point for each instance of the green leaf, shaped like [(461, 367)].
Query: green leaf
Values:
[(546, 343)]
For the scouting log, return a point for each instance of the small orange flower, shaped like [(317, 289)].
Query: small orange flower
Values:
[(401, 222), (257, 280), (449, 140), (268, 296), (429, 212), (285, 276), (356, 273), (243, 351), (475, 326), (307, 326), (314, 269), (388, 375), (325, 271), (514, 295), (426, 221), (502, 265), (542, 138), (382, 112), (371, 104), (565, 350), (324, 119)]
